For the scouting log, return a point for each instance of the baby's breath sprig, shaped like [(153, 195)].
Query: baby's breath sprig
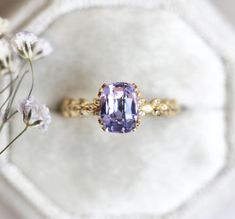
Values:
[(24, 47), (29, 47), (34, 114)]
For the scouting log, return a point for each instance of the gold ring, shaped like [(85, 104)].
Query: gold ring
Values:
[(119, 107)]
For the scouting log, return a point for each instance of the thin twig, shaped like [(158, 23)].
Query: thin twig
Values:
[(12, 141)]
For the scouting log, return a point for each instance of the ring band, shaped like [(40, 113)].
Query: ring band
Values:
[(119, 107)]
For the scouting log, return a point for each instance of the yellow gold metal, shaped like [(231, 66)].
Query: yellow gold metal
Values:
[(159, 107), (79, 107), (82, 107)]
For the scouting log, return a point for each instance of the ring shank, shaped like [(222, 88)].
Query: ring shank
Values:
[(159, 107), (82, 107)]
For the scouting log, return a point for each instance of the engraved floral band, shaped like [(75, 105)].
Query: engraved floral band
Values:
[(119, 107)]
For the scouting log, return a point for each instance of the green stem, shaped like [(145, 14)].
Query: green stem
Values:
[(12, 141), (1, 126), (32, 73), (10, 116), (7, 86), (15, 92), (11, 96), (5, 101), (10, 93), (11, 87), (7, 119)]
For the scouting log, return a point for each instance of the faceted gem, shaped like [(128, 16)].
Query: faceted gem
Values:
[(119, 107)]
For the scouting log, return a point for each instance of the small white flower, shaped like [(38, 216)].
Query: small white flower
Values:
[(30, 47), (6, 57), (35, 113), (4, 26)]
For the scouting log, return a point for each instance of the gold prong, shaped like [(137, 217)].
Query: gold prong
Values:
[(138, 123), (135, 85), (101, 90), (100, 121), (103, 85), (138, 93), (103, 128), (101, 124), (134, 130)]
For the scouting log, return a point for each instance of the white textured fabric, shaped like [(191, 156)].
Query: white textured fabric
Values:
[(86, 172)]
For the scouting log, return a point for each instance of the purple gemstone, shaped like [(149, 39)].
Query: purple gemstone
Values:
[(119, 107)]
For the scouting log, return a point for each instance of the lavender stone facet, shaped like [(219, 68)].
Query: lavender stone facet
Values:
[(119, 107)]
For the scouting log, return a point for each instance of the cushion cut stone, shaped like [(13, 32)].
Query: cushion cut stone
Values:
[(119, 107)]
